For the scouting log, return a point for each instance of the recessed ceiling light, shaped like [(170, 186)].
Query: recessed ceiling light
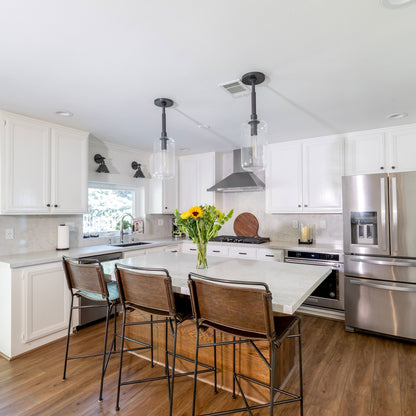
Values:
[(64, 113), (396, 116), (203, 126)]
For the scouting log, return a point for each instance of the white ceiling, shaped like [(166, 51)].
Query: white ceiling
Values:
[(332, 66)]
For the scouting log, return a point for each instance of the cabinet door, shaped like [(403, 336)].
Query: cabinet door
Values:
[(26, 159), (268, 254), (196, 175), (69, 178), (163, 196), (46, 301), (284, 177), (133, 253), (323, 162), (365, 153), (188, 186), (401, 146)]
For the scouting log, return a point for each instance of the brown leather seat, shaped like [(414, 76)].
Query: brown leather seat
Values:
[(244, 310)]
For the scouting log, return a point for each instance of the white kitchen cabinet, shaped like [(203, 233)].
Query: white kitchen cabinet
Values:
[(217, 250), (35, 307), (197, 173), (173, 249), (270, 254), (242, 252), (163, 195), (44, 167), (305, 176), (382, 150)]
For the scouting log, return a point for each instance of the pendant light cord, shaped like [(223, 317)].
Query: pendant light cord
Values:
[(253, 122), (164, 136)]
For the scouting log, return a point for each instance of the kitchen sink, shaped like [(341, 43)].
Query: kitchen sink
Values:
[(130, 244)]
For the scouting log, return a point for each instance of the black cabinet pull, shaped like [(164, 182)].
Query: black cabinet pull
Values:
[(216, 251), (192, 249), (56, 206), (244, 254), (299, 205), (269, 255), (48, 205), (305, 205), (381, 167), (393, 167)]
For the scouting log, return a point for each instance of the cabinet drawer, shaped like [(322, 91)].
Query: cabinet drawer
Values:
[(217, 250), (268, 254), (188, 248), (243, 252), (173, 249)]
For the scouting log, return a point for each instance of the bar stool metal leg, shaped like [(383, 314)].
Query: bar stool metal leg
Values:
[(196, 370), (121, 358), (100, 398), (68, 335)]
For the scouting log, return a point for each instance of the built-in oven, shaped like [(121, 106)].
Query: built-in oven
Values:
[(330, 293)]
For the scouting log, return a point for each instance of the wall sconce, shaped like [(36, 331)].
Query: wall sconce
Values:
[(100, 160), (139, 173)]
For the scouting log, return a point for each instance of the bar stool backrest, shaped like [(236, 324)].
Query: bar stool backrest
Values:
[(237, 307), (147, 289), (85, 276)]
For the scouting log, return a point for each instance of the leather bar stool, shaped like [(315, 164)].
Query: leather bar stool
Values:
[(150, 290), (85, 278), (243, 310)]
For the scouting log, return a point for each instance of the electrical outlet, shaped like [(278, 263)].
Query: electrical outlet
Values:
[(323, 224), (295, 224), (160, 222), (9, 234)]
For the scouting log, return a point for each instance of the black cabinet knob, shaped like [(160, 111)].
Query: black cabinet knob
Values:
[(56, 206), (299, 205), (305, 205), (393, 167), (48, 205), (381, 167)]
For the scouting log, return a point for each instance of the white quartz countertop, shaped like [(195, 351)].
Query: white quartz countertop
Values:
[(290, 284), (51, 256)]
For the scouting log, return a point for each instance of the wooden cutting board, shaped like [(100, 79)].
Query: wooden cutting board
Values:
[(246, 225)]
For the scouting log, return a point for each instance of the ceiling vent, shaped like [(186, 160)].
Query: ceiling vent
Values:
[(236, 88)]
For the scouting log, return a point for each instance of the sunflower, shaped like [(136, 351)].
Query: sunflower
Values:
[(220, 214), (185, 215), (196, 212)]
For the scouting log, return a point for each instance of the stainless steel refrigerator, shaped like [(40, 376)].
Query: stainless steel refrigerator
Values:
[(380, 253)]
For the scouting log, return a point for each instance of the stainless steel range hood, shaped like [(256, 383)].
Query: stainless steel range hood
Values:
[(239, 180)]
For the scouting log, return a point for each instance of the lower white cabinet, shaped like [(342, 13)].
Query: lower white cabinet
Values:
[(133, 253), (34, 307), (268, 254), (241, 251), (46, 301), (173, 249)]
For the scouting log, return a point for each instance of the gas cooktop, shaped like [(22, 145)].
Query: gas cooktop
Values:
[(238, 239)]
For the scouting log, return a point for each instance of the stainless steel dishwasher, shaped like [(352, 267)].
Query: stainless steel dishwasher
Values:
[(89, 316)]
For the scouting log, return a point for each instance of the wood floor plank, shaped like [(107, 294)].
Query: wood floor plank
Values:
[(345, 375)]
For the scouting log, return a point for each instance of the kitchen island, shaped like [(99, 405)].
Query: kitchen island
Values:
[(290, 285)]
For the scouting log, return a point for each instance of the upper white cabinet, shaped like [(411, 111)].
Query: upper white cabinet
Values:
[(382, 150), (305, 176), (44, 167), (197, 173), (163, 195)]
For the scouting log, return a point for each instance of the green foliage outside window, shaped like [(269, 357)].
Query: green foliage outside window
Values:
[(105, 209)]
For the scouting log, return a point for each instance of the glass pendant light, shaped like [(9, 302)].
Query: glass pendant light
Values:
[(254, 132), (163, 161)]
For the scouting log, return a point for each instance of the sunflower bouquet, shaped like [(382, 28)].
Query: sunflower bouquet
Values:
[(201, 223)]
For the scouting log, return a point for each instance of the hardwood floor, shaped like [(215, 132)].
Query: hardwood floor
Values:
[(344, 375)]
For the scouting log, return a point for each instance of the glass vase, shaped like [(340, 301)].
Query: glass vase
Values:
[(202, 256)]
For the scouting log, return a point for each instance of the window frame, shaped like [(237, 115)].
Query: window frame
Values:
[(138, 201)]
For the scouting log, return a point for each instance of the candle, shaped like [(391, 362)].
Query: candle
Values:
[(305, 234)]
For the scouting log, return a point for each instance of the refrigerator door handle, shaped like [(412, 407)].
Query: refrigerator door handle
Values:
[(386, 287), (383, 212), (385, 263), (394, 245)]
